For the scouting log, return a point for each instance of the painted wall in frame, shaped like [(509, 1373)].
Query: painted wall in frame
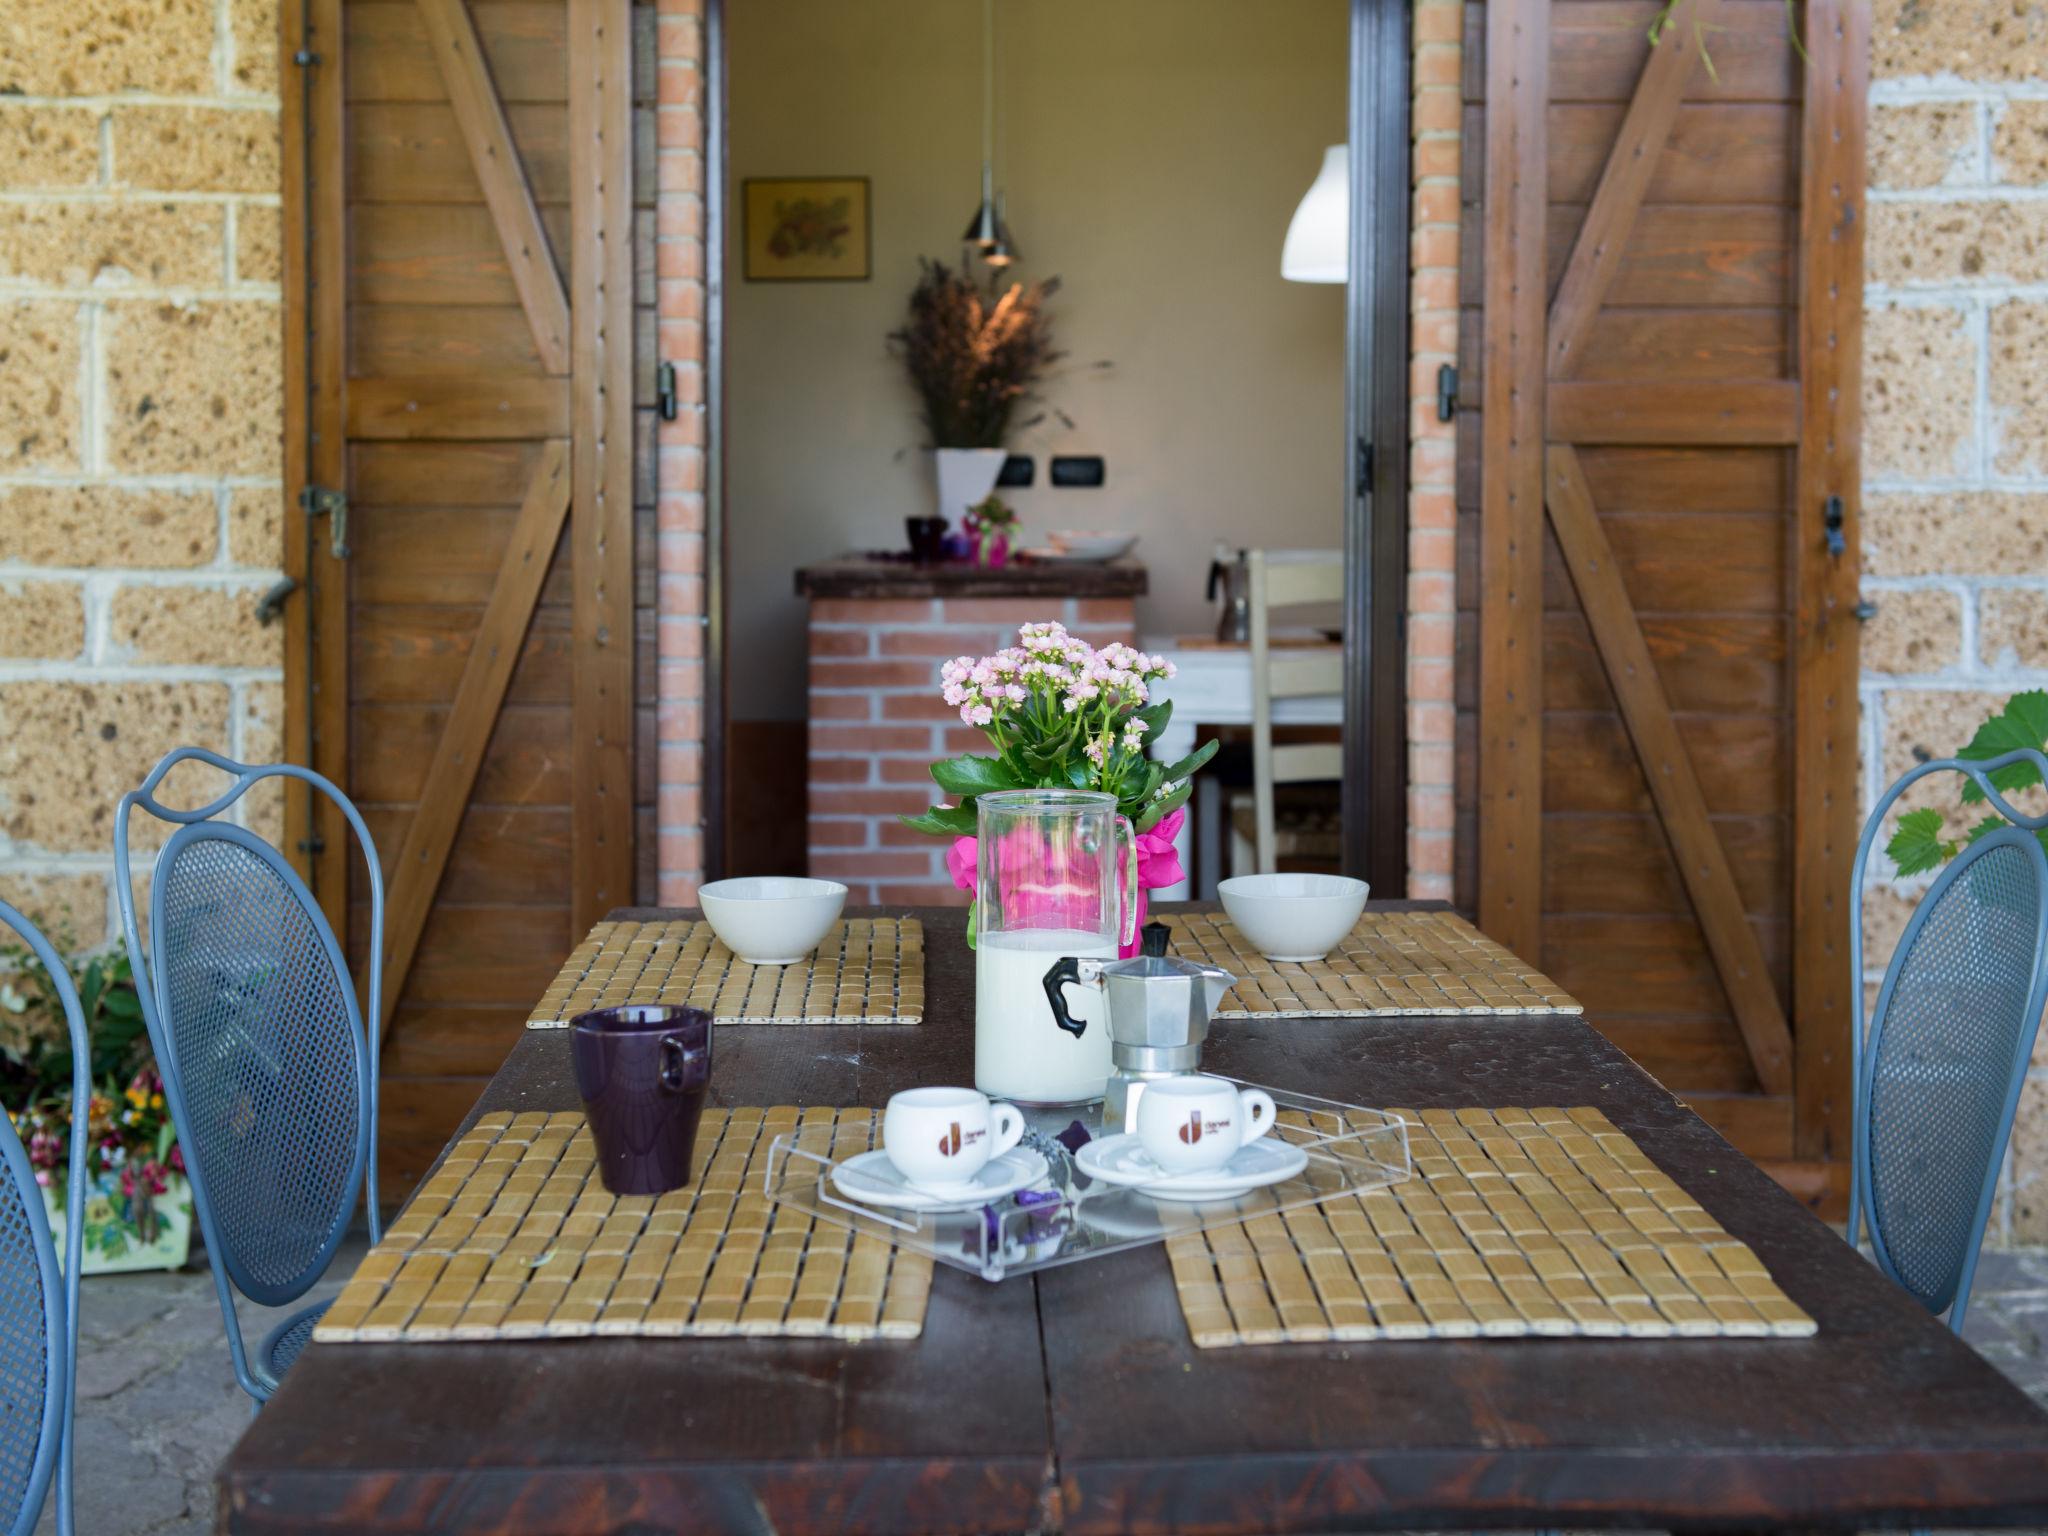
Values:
[(806, 229)]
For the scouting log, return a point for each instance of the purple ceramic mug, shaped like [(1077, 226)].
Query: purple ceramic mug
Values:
[(643, 1072)]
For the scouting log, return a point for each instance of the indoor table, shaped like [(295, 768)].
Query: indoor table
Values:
[(1073, 1399)]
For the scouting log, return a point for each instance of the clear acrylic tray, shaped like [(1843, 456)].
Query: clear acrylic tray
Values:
[(1066, 1216)]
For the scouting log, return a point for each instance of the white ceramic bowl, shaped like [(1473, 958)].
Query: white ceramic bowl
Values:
[(1293, 917), (771, 919), (1091, 544)]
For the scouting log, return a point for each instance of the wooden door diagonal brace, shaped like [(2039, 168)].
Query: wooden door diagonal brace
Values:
[(1681, 805), (500, 173), (1623, 181), (460, 751)]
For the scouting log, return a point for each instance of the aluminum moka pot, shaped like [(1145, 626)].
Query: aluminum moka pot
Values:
[(1159, 1010)]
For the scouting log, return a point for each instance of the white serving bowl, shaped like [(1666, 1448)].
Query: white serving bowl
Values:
[(771, 919), (1293, 917), (1091, 544)]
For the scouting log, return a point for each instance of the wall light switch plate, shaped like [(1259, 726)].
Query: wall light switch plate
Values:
[(1019, 469), (1071, 471)]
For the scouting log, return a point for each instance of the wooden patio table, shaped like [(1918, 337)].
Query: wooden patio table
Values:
[(1074, 1400)]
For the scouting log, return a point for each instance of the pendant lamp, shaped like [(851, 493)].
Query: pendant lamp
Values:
[(988, 231), (1318, 245)]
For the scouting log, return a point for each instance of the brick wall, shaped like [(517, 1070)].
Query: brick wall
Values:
[(1955, 530), (877, 724), (139, 418), (679, 539), (1435, 119)]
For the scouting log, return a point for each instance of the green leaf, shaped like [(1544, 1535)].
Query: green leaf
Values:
[(1155, 717), (1165, 806), (1188, 766), (1916, 846), (969, 775), (121, 1004), (943, 821), (2022, 723), (1985, 828)]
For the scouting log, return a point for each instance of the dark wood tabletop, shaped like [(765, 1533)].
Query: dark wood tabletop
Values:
[(1074, 1399)]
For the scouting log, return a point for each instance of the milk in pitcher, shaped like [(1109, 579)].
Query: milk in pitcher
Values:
[(1020, 1052)]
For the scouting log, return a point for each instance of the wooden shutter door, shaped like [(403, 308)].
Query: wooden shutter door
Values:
[(1668, 343), (470, 209)]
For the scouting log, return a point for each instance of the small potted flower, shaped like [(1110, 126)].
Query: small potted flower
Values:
[(991, 524), (138, 1206), (1063, 715)]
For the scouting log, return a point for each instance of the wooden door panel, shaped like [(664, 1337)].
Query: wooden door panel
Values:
[(1722, 663), (483, 233), (1589, 764), (1664, 637), (525, 43), (1598, 48), (1623, 863)]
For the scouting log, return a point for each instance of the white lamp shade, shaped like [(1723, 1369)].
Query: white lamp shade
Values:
[(1319, 235)]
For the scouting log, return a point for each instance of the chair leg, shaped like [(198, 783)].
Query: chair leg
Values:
[(1244, 858)]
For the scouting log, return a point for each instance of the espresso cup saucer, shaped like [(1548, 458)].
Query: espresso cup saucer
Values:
[(1124, 1160), (872, 1179)]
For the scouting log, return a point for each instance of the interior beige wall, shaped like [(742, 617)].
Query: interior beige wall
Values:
[(1153, 151)]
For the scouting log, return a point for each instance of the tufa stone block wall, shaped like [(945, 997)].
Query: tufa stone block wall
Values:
[(1955, 446), (140, 401)]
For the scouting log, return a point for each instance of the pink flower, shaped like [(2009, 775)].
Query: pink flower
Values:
[(960, 862), (1158, 859)]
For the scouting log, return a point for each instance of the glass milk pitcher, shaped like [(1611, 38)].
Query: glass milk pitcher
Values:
[(1051, 869)]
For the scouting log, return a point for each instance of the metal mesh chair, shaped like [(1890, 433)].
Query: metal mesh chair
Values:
[(1938, 1072), (268, 1068), (38, 1302)]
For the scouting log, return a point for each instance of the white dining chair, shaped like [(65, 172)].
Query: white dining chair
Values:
[(1284, 579)]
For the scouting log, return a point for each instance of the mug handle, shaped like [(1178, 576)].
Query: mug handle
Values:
[(1257, 1106), (680, 1065), (1007, 1123)]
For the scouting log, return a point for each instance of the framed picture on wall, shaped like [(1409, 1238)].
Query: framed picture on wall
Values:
[(805, 229)]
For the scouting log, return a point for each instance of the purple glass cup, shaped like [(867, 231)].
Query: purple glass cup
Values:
[(643, 1072)]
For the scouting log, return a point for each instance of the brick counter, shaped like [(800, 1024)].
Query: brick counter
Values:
[(877, 722)]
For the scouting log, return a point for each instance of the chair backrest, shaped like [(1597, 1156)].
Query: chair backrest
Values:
[(1277, 579), (38, 1299), (268, 1066), (1938, 1071)]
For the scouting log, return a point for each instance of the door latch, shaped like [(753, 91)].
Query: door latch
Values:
[(1831, 520), (316, 500), (271, 604)]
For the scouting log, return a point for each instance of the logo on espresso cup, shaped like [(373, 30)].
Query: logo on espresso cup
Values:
[(954, 1139), (1192, 1131)]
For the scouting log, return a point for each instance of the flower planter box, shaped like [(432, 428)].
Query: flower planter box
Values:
[(114, 1241)]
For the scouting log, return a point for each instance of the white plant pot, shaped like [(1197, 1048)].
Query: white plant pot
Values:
[(966, 476)]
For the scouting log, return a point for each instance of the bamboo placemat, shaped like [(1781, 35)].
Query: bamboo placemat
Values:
[(1392, 962), (515, 1237), (868, 970), (1518, 1222)]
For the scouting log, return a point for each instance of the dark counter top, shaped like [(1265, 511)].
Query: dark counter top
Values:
[(875, 576)]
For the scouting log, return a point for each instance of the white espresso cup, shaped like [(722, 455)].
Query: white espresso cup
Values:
[(1193, 1124), (939, 1138)]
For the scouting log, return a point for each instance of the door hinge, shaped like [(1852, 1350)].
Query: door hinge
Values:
[(1832, 520), (314, 500), (1361, 468), (271, 604), (665, 391), (305, 58), (1446, 392)]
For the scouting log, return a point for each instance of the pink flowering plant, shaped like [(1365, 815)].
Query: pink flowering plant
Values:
[(132, 1151), (1063, 715)]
